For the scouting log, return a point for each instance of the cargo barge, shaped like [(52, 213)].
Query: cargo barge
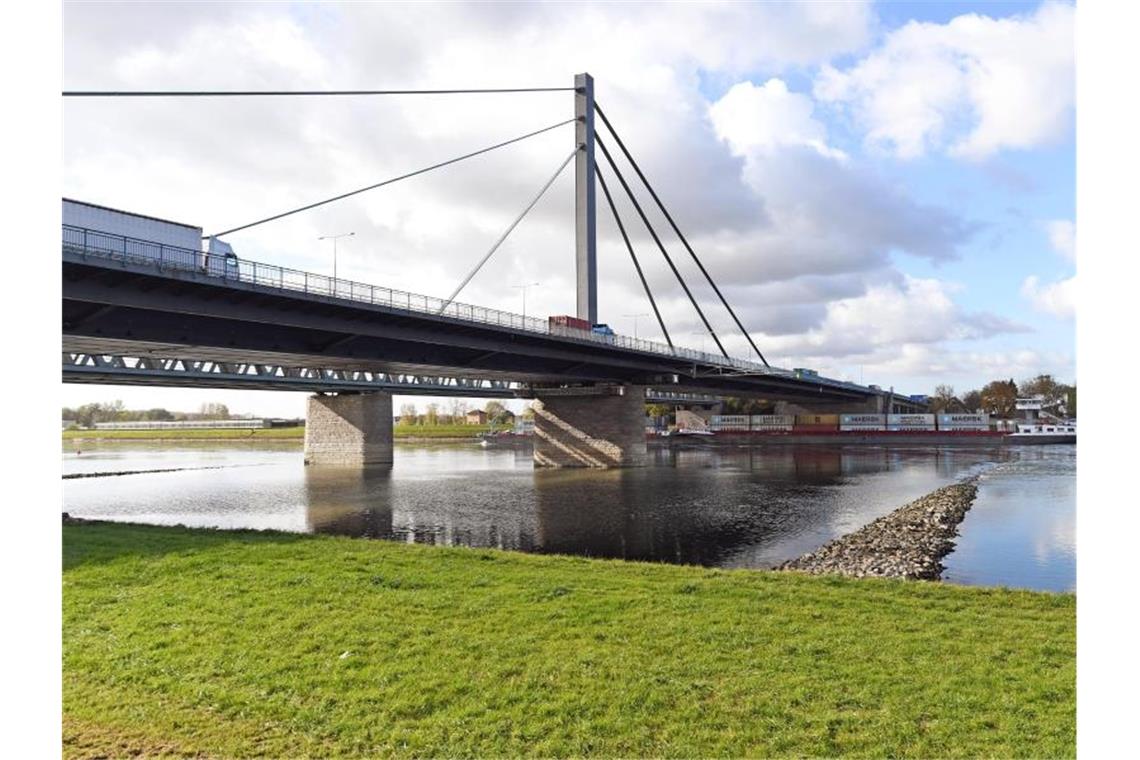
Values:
[(906, 429)]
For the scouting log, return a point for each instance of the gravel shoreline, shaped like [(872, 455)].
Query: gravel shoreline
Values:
[(908, 543)]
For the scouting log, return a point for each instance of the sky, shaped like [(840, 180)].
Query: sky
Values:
[(885, 192)]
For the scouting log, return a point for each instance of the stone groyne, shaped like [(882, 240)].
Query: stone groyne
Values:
[(908, 543)]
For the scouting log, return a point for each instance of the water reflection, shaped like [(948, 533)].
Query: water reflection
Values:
[(349, 501), (727, 507)]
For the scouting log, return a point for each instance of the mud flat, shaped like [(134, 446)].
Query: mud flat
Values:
[(908, 543)]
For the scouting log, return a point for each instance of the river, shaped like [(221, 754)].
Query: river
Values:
[(712, 506)]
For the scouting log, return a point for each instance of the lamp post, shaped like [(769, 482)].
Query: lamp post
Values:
[(523, 288), (635, 316), (334, 238)]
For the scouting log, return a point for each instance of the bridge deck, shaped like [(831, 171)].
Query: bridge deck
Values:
[(128, 297)]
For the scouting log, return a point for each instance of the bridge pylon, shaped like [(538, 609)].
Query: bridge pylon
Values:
[(585, 212)]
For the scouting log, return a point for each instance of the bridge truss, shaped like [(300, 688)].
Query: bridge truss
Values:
[(115, 369)]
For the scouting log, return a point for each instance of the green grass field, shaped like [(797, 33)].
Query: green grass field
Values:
[(180, 641), (288, 433)]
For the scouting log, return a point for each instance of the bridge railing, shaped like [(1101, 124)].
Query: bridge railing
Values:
[(89, 242)]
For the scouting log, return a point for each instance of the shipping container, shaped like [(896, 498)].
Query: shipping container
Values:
[(862, 422), (817, 419), (728, 422), (963, 422), (910, 422), (770, 422)]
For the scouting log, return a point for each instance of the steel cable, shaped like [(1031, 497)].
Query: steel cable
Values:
[(677, 230), (656, 239), (426, 169), (632, 255)]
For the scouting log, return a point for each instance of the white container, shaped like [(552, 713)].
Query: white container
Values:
[(726, 422), (910, 422), (769, 422), (963, 422), (868, 422)]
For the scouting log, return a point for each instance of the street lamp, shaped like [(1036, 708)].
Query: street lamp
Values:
[(523, 288), (334, 238), (635, 316)]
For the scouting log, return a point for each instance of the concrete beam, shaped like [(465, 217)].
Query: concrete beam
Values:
[(349, 430), (591, 430)]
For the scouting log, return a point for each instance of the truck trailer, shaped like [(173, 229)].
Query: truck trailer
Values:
[(93, 227)]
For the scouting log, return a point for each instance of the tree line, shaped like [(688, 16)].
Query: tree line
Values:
[(114, 411), (998, 398), (454, 412)]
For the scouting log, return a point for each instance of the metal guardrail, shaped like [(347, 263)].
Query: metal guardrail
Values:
[(93, 243)]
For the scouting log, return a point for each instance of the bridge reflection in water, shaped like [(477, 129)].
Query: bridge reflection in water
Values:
[(714, 507)]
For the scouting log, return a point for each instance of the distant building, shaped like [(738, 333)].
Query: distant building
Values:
[(194, 424), (476, 417)]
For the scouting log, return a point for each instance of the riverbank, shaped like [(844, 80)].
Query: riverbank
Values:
[(410, 433), (204, 642), (908, 543)]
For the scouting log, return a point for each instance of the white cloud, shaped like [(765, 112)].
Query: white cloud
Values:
[(971, 87), (751, 118), (1063, 237), (889, 317), (1056, 298)]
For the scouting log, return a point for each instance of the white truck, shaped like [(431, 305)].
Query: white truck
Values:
[(99, 228)]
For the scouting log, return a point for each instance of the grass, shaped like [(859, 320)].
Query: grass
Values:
[(286, 433), (438, 431), (188, 642)]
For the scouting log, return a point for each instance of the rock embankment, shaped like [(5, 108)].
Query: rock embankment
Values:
[(908, 543)]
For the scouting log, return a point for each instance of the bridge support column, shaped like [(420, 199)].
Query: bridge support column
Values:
[(349, 429), (602, 426)]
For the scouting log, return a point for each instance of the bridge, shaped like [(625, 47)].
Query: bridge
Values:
[(146, 312)]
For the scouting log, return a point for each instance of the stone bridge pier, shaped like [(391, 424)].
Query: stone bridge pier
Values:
[(597, 426), (349, 429)]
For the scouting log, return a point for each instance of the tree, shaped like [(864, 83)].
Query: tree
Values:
[(407, 414), (972, 400), (1055, 393), (495, 411), (943, 399), (528, 411), (999, 398), (431, 416), (214, 411), (458, 408)]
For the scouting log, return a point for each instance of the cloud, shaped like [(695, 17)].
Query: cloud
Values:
[(1056, 298), (751, 118), (889, 317), (971, 87), (1063, 237)]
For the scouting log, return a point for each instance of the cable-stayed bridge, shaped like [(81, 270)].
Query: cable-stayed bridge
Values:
[(139, 311)]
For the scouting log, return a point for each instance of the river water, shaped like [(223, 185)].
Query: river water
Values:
[(712, 506)]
